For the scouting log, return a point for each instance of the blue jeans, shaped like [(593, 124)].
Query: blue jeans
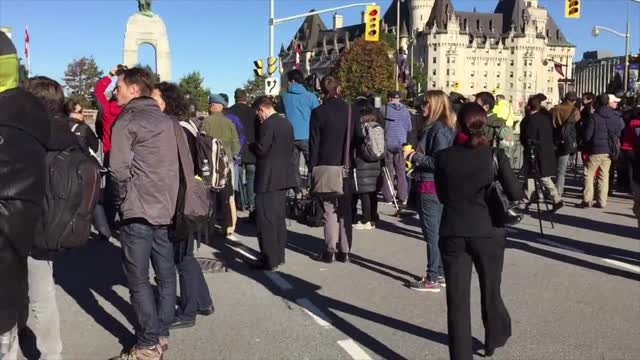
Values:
[(563, 163), (194, 292), (247, 192), (430, 212), (142, 242)]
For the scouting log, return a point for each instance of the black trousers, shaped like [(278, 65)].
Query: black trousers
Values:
[(300, 147), (272, 226), (219, 209), (487, 254), (194, 292), (369, 207)]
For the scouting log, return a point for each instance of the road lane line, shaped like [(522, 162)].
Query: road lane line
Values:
[(318, 316), (279, 281), (623, 265), (354, 350)]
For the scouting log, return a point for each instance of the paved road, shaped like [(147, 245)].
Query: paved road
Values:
[(572, 295)]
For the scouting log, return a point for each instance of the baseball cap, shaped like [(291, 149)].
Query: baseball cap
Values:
[(394, 94), (613, 98), (217, 99)]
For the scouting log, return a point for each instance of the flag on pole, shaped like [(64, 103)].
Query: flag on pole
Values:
[(298, 52), (27, 40), (558, 68)]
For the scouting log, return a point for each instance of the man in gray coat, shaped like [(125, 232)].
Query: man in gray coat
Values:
[(145, 181)]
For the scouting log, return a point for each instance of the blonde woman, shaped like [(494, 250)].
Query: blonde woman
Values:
[(438, 134)]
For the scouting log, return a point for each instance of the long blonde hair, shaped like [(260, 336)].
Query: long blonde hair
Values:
[(440, 108)]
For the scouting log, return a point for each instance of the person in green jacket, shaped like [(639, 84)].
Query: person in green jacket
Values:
[(218, 126)]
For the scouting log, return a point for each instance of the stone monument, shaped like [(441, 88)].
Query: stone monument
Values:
[(145, 27)]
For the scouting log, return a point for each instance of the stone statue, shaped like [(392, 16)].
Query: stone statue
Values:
[(144, 7)]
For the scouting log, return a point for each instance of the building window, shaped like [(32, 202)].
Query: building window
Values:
[(530, 62), (453, 71), (484, 86), (486, 62), (473, 73), (433, 84), (512, 63), (448, 72), (511, 74), (473, 62), (549, 90), (513, 51), (499, 63), (453, 60), (435, 59), (530, 74), (528, 85), (433, 72), (510, 98), (511, 85), (486, 73), (525, 74), (525, 62), (472, 85), (448, 83), (498, 74), (448, 60)]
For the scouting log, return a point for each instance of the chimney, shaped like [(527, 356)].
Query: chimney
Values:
[(337, 21)]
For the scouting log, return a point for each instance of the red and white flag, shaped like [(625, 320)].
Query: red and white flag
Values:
[(26, 43), (558, 68), (298, 52)]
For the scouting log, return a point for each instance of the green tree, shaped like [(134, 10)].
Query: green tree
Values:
[(23, 73), (365, 68), (254, 88), (80, 79), (192, 85)]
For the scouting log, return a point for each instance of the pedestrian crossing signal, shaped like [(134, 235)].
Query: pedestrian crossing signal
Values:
[(372, 23), (572, 9), (259, 70)]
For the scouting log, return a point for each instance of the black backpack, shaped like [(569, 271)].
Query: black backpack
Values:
[(568, 141), (72, 190), (305, 210)]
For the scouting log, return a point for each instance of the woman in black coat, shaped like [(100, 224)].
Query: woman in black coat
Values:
[(366, 172), (468, 235), (536, 136)]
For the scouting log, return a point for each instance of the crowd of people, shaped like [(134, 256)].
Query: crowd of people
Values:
[(169, 177)]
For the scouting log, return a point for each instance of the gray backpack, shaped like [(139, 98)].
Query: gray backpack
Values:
[(373, 147)]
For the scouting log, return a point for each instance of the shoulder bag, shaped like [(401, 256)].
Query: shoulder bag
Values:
[(503, 213), (327, 180)]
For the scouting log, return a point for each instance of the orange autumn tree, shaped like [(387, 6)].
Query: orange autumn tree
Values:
[(365, 68)]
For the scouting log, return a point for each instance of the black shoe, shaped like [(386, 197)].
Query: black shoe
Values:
[(182, 324), (342, 257), (208, 311), (488, 351), (325, 256), (557, 206), (585, 205), (598, 206), (261, 265)]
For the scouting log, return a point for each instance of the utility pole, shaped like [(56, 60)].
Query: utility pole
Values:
[(397, 61), (626, 48)]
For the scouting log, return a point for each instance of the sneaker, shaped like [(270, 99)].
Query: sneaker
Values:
[(364, 226), (141, 353), (425, 285), (557, 206), (442, 281), (232, 237)]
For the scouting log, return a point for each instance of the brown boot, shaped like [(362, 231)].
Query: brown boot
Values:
[(141, 353)]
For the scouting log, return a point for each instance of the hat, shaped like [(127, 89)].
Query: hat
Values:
[(613, 98), (394, 94), (217, 99)]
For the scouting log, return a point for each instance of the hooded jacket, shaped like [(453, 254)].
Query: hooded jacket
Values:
[(144, 163), (298, 103), (24, 132), (604, 122), (397, 125), (110, 112)]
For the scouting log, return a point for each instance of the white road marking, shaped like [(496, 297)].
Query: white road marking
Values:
[(558, 245), (279, 281), (353, 349), (318, 316), (624, 265)]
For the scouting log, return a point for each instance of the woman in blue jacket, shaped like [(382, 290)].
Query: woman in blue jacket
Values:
[(438, 134)]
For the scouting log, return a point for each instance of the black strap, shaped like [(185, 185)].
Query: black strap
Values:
[(347, 141), (494, 160)]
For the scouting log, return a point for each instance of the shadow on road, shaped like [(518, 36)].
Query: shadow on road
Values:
[(97, 268)]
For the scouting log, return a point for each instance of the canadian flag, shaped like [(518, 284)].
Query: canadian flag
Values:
[(298, 52), (26, 42)]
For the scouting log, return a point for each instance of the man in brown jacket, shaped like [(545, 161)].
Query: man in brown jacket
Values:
[(145, 174), (565, 117)]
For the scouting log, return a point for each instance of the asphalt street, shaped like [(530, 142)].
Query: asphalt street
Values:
[(573, 294)]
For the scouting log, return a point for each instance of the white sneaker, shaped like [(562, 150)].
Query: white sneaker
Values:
[(232, 237), (364, 226)]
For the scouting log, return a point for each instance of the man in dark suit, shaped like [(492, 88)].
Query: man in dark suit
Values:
[(274, 176), (327, 144)]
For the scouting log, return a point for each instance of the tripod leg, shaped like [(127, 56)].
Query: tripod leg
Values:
[(537, 188)]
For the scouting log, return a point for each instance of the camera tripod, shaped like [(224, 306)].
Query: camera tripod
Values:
[(534, 174)]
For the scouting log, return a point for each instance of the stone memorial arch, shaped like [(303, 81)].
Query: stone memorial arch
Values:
[(145, 29)]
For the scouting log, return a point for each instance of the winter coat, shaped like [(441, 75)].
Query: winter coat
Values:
[(240, 129), (603, 122), (220, 127), (298, 103), (433, 139), (328, 132), (536, 134), (144, 163), (250, 125), (86, 137), (397, 125), (366, 172), (24, 131), (110, 112), (630, 135)]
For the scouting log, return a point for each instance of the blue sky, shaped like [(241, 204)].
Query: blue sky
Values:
[(221, 38)]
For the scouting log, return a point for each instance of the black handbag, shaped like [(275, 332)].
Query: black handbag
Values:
[(503, 212)]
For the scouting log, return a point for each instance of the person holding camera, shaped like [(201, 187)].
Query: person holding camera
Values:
[(536, 136)]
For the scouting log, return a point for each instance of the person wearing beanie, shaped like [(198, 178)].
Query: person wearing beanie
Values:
[(24, 133)]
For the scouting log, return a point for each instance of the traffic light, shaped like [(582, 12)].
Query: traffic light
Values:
[(272, 65), (572, 9), (259, 70), (372, 23)]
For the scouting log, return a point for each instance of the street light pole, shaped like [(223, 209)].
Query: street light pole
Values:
[(397, 71), (626, 48), (272, 27)]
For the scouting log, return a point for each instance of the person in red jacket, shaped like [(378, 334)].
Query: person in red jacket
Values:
[(109, 108), (630, 139)]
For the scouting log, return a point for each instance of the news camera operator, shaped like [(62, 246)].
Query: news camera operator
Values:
[(536, 136)]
